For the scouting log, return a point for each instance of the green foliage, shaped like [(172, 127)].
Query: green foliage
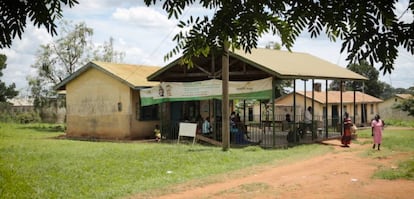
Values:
[(62, 57), (6, 92), (7, 115), (15, 14), (398, 140), (394, 141), (34, 165), (388, 92), (372, 86), (370, 30), (273, 45), (28, 117), (404, 170), (107, 53), (402, 123), (407, 106)]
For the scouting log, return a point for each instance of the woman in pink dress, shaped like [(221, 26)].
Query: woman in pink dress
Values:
[(377, 125)]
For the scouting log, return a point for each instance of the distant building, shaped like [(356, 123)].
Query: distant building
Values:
[(21, 104), (387, 110), (366, 106)]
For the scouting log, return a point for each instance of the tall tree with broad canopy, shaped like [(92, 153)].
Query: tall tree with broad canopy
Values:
[(57, 60), (373, 86), (369, 30), (6, 92), (16, 13)]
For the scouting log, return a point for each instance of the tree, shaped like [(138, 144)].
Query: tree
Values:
[(369, 29), (107, 53), (40, 12), (372, 86), (6, 92), (62, 57), (388, 92), (410, 90), (407, 106), (59, 59), (273, 45)]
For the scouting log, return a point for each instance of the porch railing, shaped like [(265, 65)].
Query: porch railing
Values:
[(265, 134)]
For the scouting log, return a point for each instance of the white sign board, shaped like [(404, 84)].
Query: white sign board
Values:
[(187, 129)]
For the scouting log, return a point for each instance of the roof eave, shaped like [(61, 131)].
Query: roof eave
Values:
[(154, 76), (256, 65), (62, 85)]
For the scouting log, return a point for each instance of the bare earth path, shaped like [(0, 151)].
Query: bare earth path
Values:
[(344, 173)]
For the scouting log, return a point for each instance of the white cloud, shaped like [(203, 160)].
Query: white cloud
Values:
[(402, 12), (145, 35), (402, 75), (143, 17), (21, 56)]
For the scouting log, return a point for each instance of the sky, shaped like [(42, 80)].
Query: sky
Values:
[(145, 35)]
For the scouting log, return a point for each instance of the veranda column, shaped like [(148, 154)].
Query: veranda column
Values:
[(225, 126)]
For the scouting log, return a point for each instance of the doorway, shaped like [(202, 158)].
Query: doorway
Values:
[(363, 113), (335, 116)]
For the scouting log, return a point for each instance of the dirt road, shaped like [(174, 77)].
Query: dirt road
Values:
[(344, 173)]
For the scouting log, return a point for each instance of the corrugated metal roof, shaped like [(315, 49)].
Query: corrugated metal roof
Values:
[(134, 76), (334, 97), (21, 101), (278, 63), (297, 65)]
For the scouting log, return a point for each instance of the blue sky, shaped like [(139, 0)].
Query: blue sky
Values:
[(145, 35)]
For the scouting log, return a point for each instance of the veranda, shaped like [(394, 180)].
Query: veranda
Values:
[(259, 64)]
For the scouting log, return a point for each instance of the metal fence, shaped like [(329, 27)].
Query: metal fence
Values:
[(265, 134)]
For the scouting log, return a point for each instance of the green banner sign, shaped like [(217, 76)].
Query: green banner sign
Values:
[(204, 90)]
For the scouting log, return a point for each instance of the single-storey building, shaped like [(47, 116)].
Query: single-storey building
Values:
[(388, 111), (361, 107), (257, 65), (21, 104), (103, 101)]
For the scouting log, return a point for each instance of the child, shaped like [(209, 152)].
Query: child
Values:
[(157, 133)]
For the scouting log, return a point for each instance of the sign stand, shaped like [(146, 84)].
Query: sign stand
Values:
[(188, 130)]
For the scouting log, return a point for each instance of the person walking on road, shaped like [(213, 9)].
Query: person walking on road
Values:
[(377, 126)]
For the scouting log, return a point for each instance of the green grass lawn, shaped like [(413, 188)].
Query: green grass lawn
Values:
[(34, 164), (393, 141)]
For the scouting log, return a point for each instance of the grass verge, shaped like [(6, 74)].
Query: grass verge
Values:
[(34, 164), (395, 141)]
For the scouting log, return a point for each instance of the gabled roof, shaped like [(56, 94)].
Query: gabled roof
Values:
[(260, 63), (297, 65), (334, 97), (135, 76)]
